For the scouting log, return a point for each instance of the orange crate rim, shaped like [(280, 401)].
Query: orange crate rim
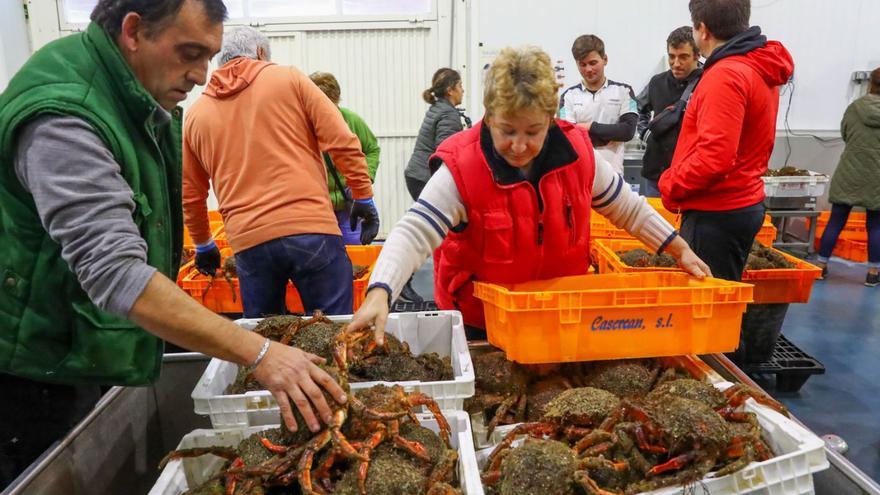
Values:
[(710, 290)]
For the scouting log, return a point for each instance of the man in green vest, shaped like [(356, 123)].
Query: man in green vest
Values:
[(91, 227)]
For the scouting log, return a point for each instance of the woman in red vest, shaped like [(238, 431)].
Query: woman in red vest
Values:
[(510, 201)]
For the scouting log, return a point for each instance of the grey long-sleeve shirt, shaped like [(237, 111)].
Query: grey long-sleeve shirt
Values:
[(86, 206)]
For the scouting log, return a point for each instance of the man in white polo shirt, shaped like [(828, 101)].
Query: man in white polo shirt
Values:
[(607, 109)]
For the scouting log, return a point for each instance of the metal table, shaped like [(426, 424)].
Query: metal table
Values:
[(117, 447)]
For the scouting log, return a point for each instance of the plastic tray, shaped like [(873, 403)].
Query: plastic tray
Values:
[(850, 249), (788, 285), (602, 228), (218, 231), (795, 187), (219, 297), (855, 228), (613, 316), (791, 366), (605, 256), (181, 474), (800, 453), (783, 285), (441, 332)]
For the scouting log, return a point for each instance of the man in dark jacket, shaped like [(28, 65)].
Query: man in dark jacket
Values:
[(660, 100), (727, 136)]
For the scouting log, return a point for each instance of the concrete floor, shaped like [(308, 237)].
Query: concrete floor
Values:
[(840, 327)]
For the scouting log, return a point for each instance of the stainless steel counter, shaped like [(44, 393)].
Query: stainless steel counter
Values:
[(116, 448)]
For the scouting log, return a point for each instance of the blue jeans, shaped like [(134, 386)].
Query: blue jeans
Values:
[(316, 264), (839, 216), (652, 189), (349, 237)]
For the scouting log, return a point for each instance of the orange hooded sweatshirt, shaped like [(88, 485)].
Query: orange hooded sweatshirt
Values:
[(257, 134)]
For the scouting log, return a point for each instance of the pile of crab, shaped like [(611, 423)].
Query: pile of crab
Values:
[(367, 362), (374, 445), (613, 427)]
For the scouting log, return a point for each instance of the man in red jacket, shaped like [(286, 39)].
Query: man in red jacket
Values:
[(727, 136)]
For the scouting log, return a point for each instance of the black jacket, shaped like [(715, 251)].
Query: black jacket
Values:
[(662, 91), (441, 121)]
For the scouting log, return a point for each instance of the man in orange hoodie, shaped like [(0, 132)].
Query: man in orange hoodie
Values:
[(256, 134)]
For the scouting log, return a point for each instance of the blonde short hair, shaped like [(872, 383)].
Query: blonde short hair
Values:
[(521, 79)]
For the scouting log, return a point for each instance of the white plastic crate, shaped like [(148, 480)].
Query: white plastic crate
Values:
[(181, 474), (435, 331), (795, 187), (799, 454)]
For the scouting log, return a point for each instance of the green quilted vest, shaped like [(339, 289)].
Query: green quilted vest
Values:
[(49, 329)]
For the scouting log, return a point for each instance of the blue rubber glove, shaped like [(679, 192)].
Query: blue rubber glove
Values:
[(364, 210), (207, 258)]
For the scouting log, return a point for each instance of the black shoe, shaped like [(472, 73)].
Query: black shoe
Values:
[(409, 295), (872, 280), (824, 272)]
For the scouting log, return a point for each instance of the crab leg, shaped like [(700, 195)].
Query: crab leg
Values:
[(536, 430), (589, 485), (374, 441), (232, 479), (673, 464), (414, 448), (420, 399), (593, 438), (304, 468)]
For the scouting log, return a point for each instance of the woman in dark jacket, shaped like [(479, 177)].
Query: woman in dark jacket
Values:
[(441, 121), (856, 180)]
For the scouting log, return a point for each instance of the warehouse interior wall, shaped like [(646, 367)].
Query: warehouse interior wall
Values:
[(828, 40), (14, 42), (383, 63)]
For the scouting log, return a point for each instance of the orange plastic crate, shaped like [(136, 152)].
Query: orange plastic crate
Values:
[(219, 297), (218, 232), (605, 256), (613, 316), (854, 230), (602, 228), (670, 216), (852, 250), (783, 285)]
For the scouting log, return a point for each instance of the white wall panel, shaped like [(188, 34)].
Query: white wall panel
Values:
[(828, 40)]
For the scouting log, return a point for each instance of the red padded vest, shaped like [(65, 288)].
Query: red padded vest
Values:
[(508, 237)]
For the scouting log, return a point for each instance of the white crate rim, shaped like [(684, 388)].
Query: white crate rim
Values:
[(810, 446), (205, 402), (169, 481)]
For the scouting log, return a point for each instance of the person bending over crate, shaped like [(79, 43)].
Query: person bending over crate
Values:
[(510, 201)]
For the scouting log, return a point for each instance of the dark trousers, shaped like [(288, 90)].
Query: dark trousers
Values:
[(316, 264), (839, 216), (722, 239), (414, 186), (35, 415)]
